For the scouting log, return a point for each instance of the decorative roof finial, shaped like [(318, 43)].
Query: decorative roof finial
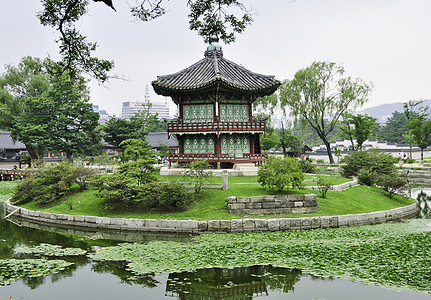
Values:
[(214, 48)]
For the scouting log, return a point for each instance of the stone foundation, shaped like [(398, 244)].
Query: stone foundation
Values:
[(272, 205), (212, 226)]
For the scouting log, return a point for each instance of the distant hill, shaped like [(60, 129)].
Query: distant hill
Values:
[(384, 111)]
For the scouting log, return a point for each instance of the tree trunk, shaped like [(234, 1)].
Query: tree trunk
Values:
[(328, 150), (32, 151), (410, 143), (422, 155), (69, 156)]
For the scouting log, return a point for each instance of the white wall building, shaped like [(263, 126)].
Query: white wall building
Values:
[(160, 108), (103, 115)]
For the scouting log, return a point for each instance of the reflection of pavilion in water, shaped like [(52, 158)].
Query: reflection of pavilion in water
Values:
[(237, 283), (424, 199)]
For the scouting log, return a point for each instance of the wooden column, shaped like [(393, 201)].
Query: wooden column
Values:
[(180, 110), (217, 146), (180, 144), (251, 138)]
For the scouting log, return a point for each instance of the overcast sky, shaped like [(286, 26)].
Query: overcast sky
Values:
[(386, 42)]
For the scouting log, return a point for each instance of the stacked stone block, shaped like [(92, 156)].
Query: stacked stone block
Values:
[(272, 205)]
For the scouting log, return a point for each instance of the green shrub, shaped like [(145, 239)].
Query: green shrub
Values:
[(372, 160), (24, 193), (171, 196), (324, 184), (277, 173), (196, 173), (391, 183), (307, 166), (140, 171), (366, 177), (51, 183), (47, 185), (82, 175), (120, 193)]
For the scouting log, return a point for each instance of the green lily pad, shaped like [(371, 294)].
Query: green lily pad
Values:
[(13, 269), (395, 255), (49, 250)]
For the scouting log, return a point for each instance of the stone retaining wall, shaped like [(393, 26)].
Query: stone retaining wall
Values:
[(235, 225), (336, 188), (420, 177), (271, 205)]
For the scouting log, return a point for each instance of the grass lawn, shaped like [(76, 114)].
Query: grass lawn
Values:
[(7, 189), (359, 199), (309, 179)]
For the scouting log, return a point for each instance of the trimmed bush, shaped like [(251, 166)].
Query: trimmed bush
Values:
[(367, 177), (171, 196), (278, 173), (47, 185), (391, 183), (373, 160), (307, 166), (120, 194)]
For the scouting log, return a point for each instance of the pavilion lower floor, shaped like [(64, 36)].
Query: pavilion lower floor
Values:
[(223, 148)]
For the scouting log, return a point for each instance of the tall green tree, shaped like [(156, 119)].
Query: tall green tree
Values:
[(357, 127), (288, 141), (117, 130), (412, 110), (19, 85), (270, 140), (322, 92), (420, 128), (144, 122), (61, 119), (136, 148), (394, 129)]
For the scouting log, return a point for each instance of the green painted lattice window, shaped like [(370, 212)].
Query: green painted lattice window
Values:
[(199, 144), (233, 113), (198, 113), (235, 144)]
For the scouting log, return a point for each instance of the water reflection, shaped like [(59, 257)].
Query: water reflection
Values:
[(119, 269), (237, 283), (424, 199), (112, 280)]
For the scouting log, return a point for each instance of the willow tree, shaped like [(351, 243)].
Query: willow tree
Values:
[(320, 95)]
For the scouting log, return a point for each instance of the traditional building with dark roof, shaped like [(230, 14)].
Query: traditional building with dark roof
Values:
[(214, 98), (10, 149)]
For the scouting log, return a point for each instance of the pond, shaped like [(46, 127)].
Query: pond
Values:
[(98, 279)]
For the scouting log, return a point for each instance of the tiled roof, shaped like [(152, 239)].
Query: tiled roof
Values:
[(156, 139), (7, 143), (214, 73)]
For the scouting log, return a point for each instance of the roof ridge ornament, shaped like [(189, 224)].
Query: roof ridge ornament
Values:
[(214, 48)]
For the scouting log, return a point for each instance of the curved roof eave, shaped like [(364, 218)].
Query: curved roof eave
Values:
[(215, 73)]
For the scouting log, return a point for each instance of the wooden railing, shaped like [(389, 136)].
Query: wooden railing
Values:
[(216, 127), (16, 172), (218, 158)]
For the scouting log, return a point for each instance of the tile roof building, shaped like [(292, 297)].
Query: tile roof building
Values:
[(214, 98), (8, 148)]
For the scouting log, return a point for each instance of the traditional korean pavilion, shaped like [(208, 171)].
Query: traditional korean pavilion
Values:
[(214, 98)]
